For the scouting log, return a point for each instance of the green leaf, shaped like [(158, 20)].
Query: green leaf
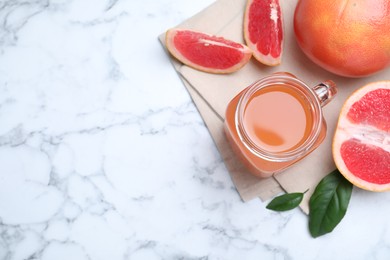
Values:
[(329, 203), (286, 201)]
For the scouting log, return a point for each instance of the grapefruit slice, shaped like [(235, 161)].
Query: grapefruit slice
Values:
[(361, 143), (207, 52), (263, 30)]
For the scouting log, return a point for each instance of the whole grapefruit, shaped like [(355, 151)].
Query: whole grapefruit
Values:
[(347, 37)]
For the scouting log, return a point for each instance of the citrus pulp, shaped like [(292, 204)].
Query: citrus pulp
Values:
[(361, 144), (263, 30), (206, 52)]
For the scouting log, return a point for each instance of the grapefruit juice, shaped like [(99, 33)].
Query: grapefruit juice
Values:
[(276, 121), (278, 118)]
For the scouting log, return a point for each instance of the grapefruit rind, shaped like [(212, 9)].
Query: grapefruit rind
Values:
[(216, 41), (346, 130), (276, 14)]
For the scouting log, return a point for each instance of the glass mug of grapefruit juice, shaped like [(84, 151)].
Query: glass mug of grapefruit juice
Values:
[(277, 121)]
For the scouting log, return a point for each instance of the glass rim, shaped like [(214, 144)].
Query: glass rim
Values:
[(316, 110)]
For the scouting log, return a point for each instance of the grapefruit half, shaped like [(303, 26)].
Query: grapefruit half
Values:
[(207, 52), (361, 143), (263, 30)]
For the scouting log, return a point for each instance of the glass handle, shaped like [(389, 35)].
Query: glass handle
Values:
[(325, 91)]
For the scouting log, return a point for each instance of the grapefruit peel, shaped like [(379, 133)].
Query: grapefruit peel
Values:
[(206, 52), (361, 143)]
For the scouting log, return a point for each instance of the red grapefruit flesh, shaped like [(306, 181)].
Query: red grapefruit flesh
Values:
[(263, 30), (361, 144), (207, 52)]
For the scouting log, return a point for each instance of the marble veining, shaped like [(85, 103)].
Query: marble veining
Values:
[(104, 156)]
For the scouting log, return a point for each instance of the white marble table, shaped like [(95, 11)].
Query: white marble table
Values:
[(104, 156)]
